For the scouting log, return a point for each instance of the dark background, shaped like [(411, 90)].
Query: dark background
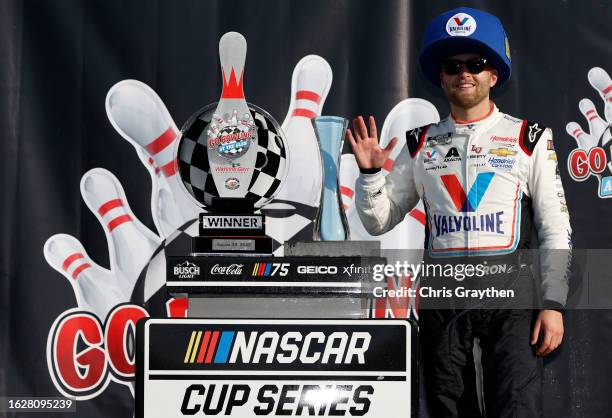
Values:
[(59, 58)]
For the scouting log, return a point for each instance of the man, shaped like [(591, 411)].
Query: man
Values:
[(487, 179)]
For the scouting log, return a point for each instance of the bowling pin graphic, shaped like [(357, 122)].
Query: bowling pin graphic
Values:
[(597, 126), (232, 115), (141, 118), (130, 243), (583, 140), (96, 288), (600, 80), (310, 83)]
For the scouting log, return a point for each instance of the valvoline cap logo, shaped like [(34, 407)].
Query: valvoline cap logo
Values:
[(461, 24)]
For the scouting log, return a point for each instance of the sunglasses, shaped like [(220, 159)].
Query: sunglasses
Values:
[(473, 65)]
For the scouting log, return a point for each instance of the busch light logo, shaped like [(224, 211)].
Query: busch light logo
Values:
[(230, 270), (461, 24), (186, 270)]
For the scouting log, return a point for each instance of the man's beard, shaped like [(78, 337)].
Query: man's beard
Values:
[(467, 101)]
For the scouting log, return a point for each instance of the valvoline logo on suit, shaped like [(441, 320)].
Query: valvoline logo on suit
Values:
[(468, 203)]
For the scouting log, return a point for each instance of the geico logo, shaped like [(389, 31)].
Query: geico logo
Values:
[(187, 270), (317, 269), (294, 346)]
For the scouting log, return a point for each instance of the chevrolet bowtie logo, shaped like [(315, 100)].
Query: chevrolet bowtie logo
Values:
[(502, 152)]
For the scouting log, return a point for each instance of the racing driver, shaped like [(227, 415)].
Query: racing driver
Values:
[(488, 180)]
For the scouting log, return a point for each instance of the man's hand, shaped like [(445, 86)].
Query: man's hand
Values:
[(368, 153), (550, 324)]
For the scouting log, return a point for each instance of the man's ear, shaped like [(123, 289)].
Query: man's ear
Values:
[(494, 76)]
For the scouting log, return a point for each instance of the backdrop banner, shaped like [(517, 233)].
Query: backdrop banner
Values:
[(93, 96)]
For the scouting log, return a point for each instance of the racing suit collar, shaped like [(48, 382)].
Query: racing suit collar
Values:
[(493, 110), (462, 126)]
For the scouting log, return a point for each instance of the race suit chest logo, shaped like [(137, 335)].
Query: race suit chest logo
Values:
[(465, 204), (500, 158), (443, 139), (430, 157), (461, 24), (452, 155)]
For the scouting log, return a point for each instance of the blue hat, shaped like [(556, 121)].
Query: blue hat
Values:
[(465, 30)]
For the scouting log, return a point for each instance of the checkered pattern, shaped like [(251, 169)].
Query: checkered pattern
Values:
[(194, 169)]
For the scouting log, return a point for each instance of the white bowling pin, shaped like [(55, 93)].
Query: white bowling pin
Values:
[(141, 118), (96, 288), (584, 140), (600, 80), (597, 126), (130, 243), (310, 83)]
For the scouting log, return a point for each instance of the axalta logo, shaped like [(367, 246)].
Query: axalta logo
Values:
[(253, 347), (461, 24), (186, 270), (502, 152), (504, 139), (230, 269)]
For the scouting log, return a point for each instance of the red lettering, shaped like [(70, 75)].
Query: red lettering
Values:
[(578, 164), (77, 373), (121, 320), (597, 160)]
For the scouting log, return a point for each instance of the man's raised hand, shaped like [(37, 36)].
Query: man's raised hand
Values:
[(366, 149)]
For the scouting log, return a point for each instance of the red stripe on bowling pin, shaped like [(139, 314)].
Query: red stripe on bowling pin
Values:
[(161, 142), (577, 132), (70, 259), (304, 113), (169, 169), (310, 96), (347, 192), (591, 114), (418, 215), (606, 91), (115, 222), (79, 269)]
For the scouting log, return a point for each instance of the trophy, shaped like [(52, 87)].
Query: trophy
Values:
[(232, 159), (330, 223)]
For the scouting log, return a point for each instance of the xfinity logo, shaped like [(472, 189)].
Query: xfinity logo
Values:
[(256, 347), (186, 270), (230, 269)]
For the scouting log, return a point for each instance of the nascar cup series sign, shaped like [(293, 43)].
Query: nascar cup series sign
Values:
[(253, 368)]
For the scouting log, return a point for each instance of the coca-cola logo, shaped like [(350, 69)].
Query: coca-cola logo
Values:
[(232, 269)]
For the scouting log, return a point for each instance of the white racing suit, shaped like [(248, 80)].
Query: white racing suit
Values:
[(486, 185)]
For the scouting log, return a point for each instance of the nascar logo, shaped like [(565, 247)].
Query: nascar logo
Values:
[(240, 347), (270, 269)]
